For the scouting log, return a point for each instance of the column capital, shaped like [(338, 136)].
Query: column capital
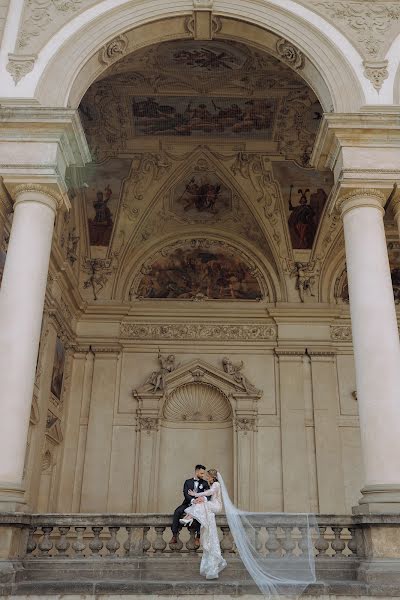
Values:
[(350, 199), (38, 192)]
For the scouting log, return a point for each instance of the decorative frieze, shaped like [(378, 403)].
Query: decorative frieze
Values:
[(198, 331), (341, 333), (147, 424)]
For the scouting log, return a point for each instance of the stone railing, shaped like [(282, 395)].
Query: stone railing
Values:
[(141, 535)]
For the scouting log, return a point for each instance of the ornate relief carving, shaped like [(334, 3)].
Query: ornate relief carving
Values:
[(376, 72), (157, 378), (341, 333), (99, 271), (147, 424), (305, 278), (368, 22), (235, 371), (198, 331), (341, 289), (114, 50), (289, 54), (19, 66), (43, 17), (196, 402), (245, 424)]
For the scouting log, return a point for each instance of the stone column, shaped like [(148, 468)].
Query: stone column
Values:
[(376, 347), (21, 308)]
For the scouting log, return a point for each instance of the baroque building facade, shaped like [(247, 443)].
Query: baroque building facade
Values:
[(200, 256)]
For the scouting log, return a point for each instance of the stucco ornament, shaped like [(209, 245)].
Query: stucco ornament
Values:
[(290, 54), (19, 66), (114, 50), (376, 72), (367, 23)]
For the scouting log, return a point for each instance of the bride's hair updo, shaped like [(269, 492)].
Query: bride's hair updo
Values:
[(213, 473)]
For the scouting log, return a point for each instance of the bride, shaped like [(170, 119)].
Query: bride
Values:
[(285, 570), (204, 512)]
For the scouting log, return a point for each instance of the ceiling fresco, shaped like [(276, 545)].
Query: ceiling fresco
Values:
[(201, 90)]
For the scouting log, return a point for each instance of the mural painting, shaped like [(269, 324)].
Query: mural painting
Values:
[(102, 190), (185, 115), (188, 272), (58, 369), (201, 197), (209, 57), (304, 193)]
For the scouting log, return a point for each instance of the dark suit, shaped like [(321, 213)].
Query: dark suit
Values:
[(180, 511)]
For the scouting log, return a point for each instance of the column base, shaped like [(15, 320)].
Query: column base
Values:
[(12, 498), (380, 498)]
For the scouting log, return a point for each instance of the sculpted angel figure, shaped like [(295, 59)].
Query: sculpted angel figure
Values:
[(237, 375), (157, 378)]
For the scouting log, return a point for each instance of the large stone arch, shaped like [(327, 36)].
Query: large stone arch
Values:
[(60, 77)]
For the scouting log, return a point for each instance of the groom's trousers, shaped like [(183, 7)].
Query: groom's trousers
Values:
[(179, 514)]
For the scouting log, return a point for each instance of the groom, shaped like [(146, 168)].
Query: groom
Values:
[(196, 484)]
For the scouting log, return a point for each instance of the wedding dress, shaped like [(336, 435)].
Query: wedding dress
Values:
[(212, 562)]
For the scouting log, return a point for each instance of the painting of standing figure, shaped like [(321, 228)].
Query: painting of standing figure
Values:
[(58, 369), (304, 192), (100, 227)]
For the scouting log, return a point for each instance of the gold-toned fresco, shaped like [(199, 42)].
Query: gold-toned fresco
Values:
[(186, 116), (201, 90), (201, 197), (304, 193), (102, 187), (199, 269)]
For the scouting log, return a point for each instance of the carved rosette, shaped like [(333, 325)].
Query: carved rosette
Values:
[(114, 50), (289, 54)]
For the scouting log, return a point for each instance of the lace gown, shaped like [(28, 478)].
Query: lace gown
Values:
[(212, 561)]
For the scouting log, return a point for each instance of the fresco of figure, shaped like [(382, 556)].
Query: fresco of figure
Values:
[(301, 222), (100, 227)]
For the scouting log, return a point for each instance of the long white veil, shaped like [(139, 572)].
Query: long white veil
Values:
[(277, 549)]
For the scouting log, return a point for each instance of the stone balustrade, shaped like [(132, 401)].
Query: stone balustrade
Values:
[(93, 553), (100, 536)]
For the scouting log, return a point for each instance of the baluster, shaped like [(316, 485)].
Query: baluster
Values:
[(227, 540), (321, 543), (190, 545), (96, 544), (128, 544), (146, 544), (45, 545), (272, 544), (79, 545), (31, 544), (338, 544), (288, 542), (159, 543), (257, 542), (178, 546), (62, 544), (306, 542), (352, 543), (113, 544)]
